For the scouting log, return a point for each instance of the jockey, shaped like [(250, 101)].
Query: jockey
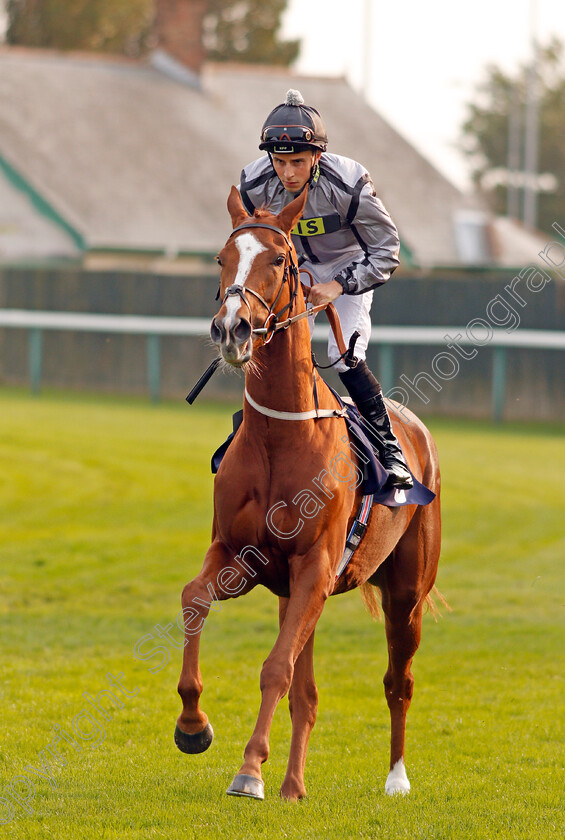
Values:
[(345, 238)]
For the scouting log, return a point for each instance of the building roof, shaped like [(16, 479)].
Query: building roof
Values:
[(119, 154), (26, 230)]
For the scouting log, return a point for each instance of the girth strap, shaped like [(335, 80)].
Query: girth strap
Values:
[(356, 533)]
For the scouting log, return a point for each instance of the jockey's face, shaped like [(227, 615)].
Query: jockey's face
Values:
[(294, 169)]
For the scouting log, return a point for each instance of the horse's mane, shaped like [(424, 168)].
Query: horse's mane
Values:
[(261, 212)]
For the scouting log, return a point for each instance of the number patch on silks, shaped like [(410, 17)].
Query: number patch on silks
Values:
[(317, 226)]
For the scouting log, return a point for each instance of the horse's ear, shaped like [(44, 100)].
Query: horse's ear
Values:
[(236, 208), (290, 214)]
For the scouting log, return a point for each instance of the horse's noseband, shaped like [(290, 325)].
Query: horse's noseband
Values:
[(236, 290)]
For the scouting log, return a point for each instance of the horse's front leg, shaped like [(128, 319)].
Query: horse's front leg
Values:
[(303, 705), (219, 579), (310, 588)]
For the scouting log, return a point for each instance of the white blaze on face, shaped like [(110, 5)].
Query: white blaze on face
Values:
[(249, 247)]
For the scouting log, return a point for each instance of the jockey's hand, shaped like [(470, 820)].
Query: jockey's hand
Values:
[(324, 293)]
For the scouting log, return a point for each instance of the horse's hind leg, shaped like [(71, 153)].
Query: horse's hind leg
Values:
[(303, 704), (405, 579), (403, 630)]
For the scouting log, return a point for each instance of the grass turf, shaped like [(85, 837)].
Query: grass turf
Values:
[(105, 514)]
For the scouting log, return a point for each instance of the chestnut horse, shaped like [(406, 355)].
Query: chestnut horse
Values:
[(284, 498)]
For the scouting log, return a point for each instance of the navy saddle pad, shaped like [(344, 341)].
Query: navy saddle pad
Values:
[(374, 474)]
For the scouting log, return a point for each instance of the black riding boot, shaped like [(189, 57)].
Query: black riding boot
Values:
[(367, 394)]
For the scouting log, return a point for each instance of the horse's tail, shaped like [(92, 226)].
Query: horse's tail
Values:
[(432, 605), (371, 601), (373, 606)]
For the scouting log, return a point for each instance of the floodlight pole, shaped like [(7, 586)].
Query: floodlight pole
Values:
[(530, 210), (367, 47), (513, 163)]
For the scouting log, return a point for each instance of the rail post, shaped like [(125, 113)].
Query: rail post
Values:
[(498, 383), (386, 366), (154, 366), (35, 349)]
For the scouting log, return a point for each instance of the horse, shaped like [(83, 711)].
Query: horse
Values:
[(285, 496)]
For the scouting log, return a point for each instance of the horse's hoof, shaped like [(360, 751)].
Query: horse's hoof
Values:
[(244, 785), (397, 781), (196, 743)]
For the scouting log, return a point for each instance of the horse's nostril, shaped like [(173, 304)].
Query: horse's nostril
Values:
[(216, 332), (242, 331)]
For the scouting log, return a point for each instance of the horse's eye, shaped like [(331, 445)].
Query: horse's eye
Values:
[(279, 260), (218, 260)]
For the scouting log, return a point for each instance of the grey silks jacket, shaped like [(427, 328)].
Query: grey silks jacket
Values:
[(345, 232)]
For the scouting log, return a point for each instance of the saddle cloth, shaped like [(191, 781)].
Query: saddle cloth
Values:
[(374, 474)]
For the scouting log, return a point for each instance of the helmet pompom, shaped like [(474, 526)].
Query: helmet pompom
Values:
[(294, 97)]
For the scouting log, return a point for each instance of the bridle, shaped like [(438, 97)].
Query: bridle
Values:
[(273, 321)]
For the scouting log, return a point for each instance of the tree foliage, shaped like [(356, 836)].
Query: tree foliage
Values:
[(234, 30), (499, 112), (120, 26), (247, 30)]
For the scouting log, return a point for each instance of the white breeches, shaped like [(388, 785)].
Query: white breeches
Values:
[(354, 314)]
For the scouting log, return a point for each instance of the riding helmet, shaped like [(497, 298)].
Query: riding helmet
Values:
[(293, 127)]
